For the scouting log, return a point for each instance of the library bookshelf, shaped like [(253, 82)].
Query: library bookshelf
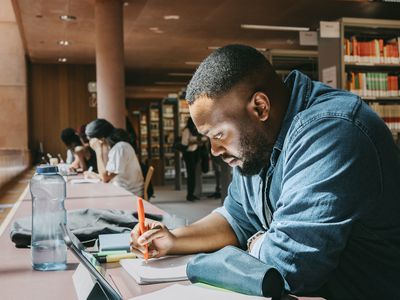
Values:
[(366, 60)]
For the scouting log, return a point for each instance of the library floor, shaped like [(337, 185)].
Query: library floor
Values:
[(11, 192), (174, 202), (166, 197)]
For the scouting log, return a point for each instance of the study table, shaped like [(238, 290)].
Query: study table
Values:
[(19, 281)]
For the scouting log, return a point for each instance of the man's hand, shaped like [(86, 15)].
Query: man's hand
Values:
[(158, 237)]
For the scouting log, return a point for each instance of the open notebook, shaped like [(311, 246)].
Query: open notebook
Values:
[(165, 269)]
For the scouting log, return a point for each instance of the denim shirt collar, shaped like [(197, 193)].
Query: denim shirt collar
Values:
[(300, 89)]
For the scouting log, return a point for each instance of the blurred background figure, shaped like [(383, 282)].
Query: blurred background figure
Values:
[(79, 156), (122, 166), (193, 141), (223, 177), (82, 135)]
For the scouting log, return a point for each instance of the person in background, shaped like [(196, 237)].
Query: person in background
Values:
[(78, 156), (191, 139), (313, 207), (222, 178), (122, 167), (132, 134), (82, 135)]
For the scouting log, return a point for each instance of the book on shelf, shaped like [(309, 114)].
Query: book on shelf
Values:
[(154, 115), (390, 113), (372, 51), (183, 105), (373, 84), (168, 111)]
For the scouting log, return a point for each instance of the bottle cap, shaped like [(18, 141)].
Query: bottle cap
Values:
[(47, 170)]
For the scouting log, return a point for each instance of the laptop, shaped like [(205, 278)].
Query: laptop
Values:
[(89, 262)]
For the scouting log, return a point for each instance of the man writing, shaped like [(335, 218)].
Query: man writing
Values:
[(315, 186)]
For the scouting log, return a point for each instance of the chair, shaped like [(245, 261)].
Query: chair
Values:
[(147, 180)]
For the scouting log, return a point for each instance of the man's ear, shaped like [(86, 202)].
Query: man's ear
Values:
[(260, 106)]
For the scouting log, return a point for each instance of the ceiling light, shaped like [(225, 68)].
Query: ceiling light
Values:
[(170, 82), (64, 43), (180, 74), (171, 17), (126, 3), (62, 59), (67, 18), (215, 48), (280, 28), (156, 30), (192, 63)]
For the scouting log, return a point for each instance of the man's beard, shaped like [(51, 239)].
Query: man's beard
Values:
[(256, 152)]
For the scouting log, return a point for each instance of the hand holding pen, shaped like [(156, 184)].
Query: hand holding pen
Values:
[(142, 226), (156, 240)]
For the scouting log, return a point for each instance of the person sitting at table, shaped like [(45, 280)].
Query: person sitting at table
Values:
[(314, 197), (78, 156), (122, 167)]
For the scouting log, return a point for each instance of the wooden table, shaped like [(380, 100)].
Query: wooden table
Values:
[(19, 281), (17, 278)]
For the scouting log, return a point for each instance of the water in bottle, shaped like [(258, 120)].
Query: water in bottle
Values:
[(48, 190)]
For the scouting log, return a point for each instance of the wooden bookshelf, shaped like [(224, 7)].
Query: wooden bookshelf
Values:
[(143, 137), (366, 60), (169, 119)]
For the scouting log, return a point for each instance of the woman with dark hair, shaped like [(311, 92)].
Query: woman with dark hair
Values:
[(79, 156), (192, 139), (122, 166)]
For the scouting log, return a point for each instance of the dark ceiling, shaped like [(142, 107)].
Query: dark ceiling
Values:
[(151, 56)]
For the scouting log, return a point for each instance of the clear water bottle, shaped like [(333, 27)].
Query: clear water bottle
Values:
[(48, 190)]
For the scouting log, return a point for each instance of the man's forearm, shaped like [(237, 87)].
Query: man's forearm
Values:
[(206, 235)]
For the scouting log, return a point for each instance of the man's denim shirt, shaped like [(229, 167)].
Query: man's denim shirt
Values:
[(329, 200)]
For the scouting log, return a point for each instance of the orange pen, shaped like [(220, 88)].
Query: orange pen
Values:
[(142, 227)]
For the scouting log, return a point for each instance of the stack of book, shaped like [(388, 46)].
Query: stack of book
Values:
[(373, 84), (390, 114), (376, 51)]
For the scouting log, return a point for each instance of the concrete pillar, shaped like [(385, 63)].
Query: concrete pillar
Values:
[(13, 83), (110, 61)]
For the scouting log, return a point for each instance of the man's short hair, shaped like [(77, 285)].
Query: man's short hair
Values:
[(70, 138), (225, 68)]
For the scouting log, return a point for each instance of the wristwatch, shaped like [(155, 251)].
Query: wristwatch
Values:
[(253, 238)]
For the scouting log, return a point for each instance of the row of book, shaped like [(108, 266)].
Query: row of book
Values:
[(390, 114), (373, 84), (376, 51)]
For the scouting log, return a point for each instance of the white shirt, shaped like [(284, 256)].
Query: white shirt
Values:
[(70, 157), (122, 160)]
